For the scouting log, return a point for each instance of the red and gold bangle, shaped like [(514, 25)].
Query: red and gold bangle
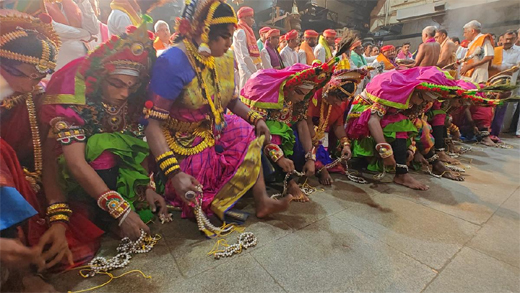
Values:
[(384, 150), (119, 209), (273, 151), (343, 142), (311, 155), (59, 217), (58, 212)]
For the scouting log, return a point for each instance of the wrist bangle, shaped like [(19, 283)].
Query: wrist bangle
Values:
[(58, 212), (167, 163), (274, 152), (384, 150), (253, 117), (152, 184), (123, 218), (311, 155)]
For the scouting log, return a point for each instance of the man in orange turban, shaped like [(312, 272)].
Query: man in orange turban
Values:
[(270, 56), (247, 54), (323, 50), (263, 31), (306, 53), (387, 56), (289, 54)]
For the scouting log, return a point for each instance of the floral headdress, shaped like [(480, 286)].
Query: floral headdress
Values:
[(15, 25), (197, 18), (80, 80), (130, 54)]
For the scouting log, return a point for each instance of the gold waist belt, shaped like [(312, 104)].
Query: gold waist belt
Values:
[(183, 126)]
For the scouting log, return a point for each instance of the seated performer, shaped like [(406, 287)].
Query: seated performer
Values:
[(93, 105), (380, 125), (28, 52), (282, 97), (325, 114), (205, 154)]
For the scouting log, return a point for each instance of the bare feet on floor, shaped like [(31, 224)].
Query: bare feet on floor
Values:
[(488, 142), (325, 178), (268, 206), (440, 169), (410, 182), (294, 189), (443, 157)]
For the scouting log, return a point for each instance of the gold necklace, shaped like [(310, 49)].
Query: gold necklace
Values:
[(34, 177), (9, 103), (320, 132)]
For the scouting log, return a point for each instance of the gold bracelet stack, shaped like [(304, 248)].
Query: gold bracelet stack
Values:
[(253, 117), (112, 202), (58, 212), (168, 163), (384, 150)]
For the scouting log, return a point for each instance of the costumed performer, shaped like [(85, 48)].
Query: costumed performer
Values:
[(93, 105), (210, 158), (28, 53)]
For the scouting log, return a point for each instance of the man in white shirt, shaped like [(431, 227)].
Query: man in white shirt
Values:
[(323, 50), (476, 70), (306, 52), (289, 54), (162, 37), (124, 13), (507, 58), (244, 44), (73, 37), (269, 55)]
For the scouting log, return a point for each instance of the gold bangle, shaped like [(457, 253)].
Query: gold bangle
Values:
[(59, 217), (168, 162), (166, 154), (171, 169), (59, 211), (58, 206)]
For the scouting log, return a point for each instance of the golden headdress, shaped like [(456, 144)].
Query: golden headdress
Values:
[(16, 25), (197, 18)]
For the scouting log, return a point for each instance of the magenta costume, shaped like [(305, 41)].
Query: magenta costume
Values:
[(225, 161)]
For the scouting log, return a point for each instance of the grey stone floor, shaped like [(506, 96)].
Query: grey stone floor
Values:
[(379, 237)]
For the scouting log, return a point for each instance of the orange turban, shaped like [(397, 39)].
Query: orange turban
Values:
[(245, 12), (273, 33), (387, 48), (264, 30), (329, 33), (311, 34), (291, 35), (337, 41), (464, 43)]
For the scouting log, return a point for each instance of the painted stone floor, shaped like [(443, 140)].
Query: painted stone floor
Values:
[(377, 237)]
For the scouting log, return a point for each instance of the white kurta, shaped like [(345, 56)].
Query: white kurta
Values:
[(245, 64), (266, 59), (117, 22), (319, 53), (72, 38), (289, 56), (481, 73)]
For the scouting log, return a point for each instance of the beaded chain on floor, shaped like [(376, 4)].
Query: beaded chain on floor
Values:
[(244, 241), (350, 176), (204, 223), (126, 248), (305, 188)]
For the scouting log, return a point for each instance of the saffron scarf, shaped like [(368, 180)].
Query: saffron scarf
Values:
[(497, 60), (476, 44), (71, 14), (386, 61), (276, 59), (328, 52), (252, 46), (130, 7), (309, 53)]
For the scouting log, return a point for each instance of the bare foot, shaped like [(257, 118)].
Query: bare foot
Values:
[(453, 148), (440, 169), (268, 206), (325, 178), (443, 157), (294, 189), (33, 283), (488, 142), (408, 181)]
